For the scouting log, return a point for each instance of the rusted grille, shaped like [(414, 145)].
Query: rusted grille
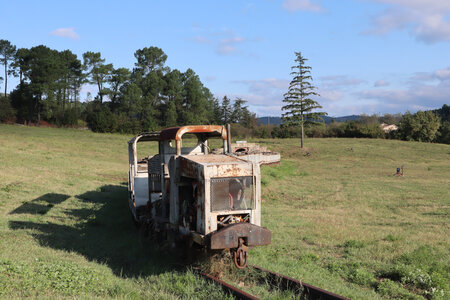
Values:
[(232, 193)]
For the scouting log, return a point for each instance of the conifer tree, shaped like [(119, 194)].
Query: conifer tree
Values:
[(7, 51), (299, 104), (226, 110)]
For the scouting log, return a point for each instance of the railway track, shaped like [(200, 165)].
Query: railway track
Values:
[(304, 290)]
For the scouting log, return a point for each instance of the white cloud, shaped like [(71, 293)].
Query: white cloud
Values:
[(301, 5), (341, 95), (419, 94), (265, 86), (427, 20), (327, 96), (264, 96), (225, 41), (66, 32), (381, 83), (440, 75), (339, 81), (200, 39), (228, 45), (225, 49)]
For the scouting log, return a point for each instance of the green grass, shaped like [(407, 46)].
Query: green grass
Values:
[(65, 229), (340, 220)]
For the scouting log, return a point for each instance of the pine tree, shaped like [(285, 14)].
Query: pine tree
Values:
[(7, 52), (238, 110), (299, 105), (226, 110)]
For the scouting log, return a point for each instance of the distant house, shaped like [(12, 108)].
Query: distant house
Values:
[(388, 128)]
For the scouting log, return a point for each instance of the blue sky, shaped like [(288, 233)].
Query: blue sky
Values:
[(367, 56)]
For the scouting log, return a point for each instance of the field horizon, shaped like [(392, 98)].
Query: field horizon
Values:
[(340, 220)]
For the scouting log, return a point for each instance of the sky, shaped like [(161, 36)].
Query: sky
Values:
[(367, 56)]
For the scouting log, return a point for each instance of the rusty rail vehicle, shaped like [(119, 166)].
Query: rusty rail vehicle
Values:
[(211, 198)]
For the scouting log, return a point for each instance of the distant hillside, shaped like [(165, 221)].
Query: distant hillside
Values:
[(277, 120)]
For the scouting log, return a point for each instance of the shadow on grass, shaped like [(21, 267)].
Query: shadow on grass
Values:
[(41, 205), (102, 232)]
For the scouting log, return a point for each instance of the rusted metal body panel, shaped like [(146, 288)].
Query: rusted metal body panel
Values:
[(254, 153), (175, 133), (138, 195), (228, 237), (202, 169), (214, 198)]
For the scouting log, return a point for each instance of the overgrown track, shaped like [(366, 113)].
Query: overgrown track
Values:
[(237, 293), (283, 282), (288, 283)]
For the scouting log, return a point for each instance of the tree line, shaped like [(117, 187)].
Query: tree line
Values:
[(152, 96), (424, 126), (148, 97)]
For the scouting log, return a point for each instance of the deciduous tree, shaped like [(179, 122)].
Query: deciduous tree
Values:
[(421, 126)]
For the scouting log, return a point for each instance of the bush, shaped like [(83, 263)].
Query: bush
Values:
[(316, 131), (444, 133), (7, 112), (362, 130), (421, 269), (421, 126), (362, 276), (101, 119), (389, 288), (239, 131), (335, 130)]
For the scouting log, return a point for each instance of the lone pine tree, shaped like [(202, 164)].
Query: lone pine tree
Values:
[(299, 105)]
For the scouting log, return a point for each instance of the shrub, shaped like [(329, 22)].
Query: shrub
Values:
[(7, 112), (335, 130), (316, 131), (444, 133), (421, 126), (101, 119), (239, 131), (353, 244), (389, 288), (362, 276), (362, 130)]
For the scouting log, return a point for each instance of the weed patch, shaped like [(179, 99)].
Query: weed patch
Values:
[(420, 270), (390, 289), (391, 238), (353, 244)]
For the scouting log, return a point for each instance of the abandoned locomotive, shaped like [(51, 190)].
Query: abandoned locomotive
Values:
[(212, 198)]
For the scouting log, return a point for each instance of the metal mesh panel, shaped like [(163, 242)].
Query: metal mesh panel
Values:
[(232, 193), (154, 173)]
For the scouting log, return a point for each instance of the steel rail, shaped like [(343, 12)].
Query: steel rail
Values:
[(228, 288), (288, 283)]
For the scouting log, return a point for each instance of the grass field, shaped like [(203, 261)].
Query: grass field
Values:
[(340, 220)]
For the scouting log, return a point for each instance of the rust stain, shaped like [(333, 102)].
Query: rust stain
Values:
[(175, 133), (188, 169), (228, 236)]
